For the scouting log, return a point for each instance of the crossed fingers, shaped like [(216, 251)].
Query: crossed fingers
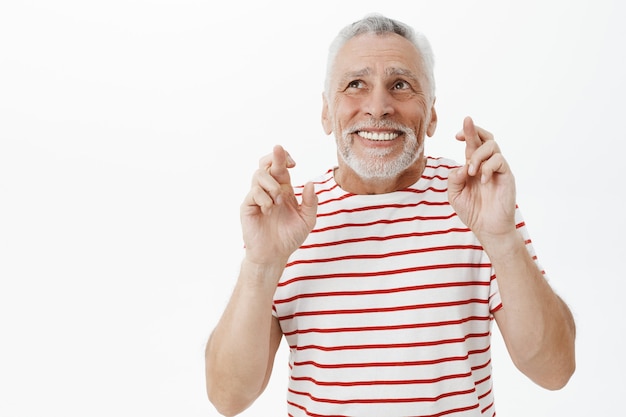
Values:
[(482, 153), (270, 179)]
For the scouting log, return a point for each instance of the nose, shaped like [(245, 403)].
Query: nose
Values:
[(379, 103)]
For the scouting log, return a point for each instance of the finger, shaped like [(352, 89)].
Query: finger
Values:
[(483, 135), (257, 199), (264, 181), (457, 178), (484, 152), (279, 165), (456, 182), (476, 139), (309, 203), (472, 140), (495, 164), (266, 161)]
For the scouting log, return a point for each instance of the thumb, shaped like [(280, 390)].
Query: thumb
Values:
[(308, 208), (456, 181)]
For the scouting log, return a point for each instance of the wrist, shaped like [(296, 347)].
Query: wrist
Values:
[(504, 245), (262, 273)]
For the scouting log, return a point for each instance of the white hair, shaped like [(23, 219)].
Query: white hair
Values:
[(379, 24)]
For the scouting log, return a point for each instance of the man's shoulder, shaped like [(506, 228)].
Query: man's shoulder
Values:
[(322, 182), (441, 163)]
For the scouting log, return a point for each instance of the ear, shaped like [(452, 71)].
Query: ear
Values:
[(432, 124), (326, 122)]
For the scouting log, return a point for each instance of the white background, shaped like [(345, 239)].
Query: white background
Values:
[(128, 133)]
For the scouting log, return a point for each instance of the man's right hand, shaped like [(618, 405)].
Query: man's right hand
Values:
[(274, 224)]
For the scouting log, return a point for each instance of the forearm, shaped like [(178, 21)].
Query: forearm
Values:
[(241, 345), (537, 326)]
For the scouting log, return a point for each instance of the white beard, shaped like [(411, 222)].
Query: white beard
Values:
[(375, 164)]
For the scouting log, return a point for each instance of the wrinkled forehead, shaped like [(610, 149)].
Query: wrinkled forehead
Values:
[(384, 55)]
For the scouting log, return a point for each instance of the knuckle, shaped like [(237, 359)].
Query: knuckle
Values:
[(256, 176), (265, 161)]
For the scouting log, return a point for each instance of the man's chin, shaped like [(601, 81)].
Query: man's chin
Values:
[(376, 168)]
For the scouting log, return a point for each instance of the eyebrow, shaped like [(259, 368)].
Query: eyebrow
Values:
[(389, 72), (357, 74)]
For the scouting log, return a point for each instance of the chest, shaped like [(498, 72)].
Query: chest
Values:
[(410, 264)]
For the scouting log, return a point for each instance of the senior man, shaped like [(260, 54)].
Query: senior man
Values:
[(385, 273)]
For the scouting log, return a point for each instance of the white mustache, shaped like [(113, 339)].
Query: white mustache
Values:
[(378, 124)]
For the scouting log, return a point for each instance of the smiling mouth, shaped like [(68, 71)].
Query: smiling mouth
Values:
[(377, 136)]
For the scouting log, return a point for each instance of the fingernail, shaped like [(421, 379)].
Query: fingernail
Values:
[(471, 170)]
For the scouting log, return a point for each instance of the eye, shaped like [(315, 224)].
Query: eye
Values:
[(355, 84), (401, 85)]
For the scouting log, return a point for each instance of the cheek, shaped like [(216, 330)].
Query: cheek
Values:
[(421, 117), (346, 108)]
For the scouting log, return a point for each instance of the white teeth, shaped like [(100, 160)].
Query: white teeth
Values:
[(377, 136)]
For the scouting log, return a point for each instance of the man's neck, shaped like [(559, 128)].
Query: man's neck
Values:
[(351, 182)]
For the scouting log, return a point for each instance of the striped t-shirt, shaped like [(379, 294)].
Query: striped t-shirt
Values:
[(387, 306)]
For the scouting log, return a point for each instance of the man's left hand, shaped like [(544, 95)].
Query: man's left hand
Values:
[(482, 192)]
